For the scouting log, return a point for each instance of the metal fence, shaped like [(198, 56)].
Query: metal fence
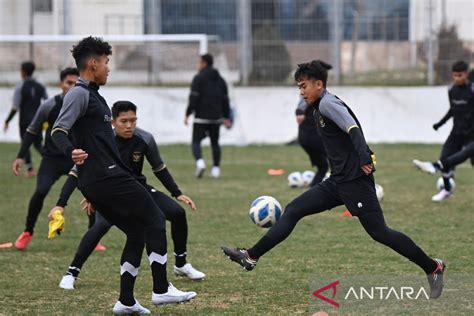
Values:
[(367, 41)]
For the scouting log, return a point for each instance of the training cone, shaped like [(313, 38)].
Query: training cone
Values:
[(346, 213)]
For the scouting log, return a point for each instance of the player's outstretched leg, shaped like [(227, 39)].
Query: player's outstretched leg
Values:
[(323, 196)]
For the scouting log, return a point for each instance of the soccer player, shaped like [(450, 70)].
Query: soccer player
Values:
[(210, 104), (106, 181), (27, 99), (54, 163), (461, 100), (309, 138), (351, 183), (135, 145)]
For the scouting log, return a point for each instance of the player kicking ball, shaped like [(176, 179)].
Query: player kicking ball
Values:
[(351, 183)]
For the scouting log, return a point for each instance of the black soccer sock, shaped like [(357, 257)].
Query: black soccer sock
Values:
[(129, 266), (180, 259), (74, 271), (261, 247), (155, 239), (447, 184), (216, 155)]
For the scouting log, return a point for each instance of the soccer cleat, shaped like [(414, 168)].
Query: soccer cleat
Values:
[(435, 279), (215, 172), (120, 309), (172, 296), (23, 240), (188, 271), (240, 256), (441, 195), (200, 168), (425, 166), (100, 247), (67, 282)]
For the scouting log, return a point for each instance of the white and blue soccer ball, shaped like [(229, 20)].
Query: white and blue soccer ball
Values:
[(440, 183), (265, 211), (295, 180), (379, 191), (308, 177)]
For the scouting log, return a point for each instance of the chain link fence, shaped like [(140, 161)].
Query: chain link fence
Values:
[(368, 42)]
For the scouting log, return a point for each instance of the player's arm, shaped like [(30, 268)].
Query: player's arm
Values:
[(339, 114), (193, 99), (66, 191), (300, 110), (32, 131), (15, 106), (445, 118), (74, 106)]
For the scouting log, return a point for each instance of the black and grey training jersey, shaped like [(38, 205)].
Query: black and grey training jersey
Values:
[(47, 113), (27, 98), (134, 150), (461, 108), (87, 117), (335, 120)]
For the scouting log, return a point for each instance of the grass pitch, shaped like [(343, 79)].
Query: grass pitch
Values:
[(324, 244)]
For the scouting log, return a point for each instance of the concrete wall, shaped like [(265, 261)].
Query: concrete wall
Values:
[(266, 115)]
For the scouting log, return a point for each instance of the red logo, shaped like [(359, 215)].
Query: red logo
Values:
[(332, 286)]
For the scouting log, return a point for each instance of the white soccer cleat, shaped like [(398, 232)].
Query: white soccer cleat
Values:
[(172, 296), (200, 168), (67, 282), (425, 166), (216, 172), (120, 309), (441, 195), (188, 271)]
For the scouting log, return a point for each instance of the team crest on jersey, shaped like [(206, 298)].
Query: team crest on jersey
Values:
[(107, 118), (321, 121), (136, 156)]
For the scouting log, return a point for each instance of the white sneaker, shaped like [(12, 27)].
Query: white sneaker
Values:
[(120, 309), (188, 271), (200, 168), (67, 282), (425, 166), (172, 296), (441, 195), (216, 172)]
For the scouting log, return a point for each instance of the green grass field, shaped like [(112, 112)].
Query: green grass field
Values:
[(324, 244)]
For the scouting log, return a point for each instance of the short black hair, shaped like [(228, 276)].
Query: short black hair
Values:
[(89, 47), (460, 66), (208, 59), (28, 67), (315, 69), (122, 106), (68, 71)]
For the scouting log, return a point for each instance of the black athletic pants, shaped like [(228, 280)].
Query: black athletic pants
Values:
[(127, 204), (37, 144), (459, 157), (50, 170), (201, 131), (453, 144), (314, 147), (173, 213), (360, 199)]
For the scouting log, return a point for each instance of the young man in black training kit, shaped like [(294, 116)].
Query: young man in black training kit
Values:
[(53, 164), (461, 109), (351, 183), (309, 138), (107, 183), (209, 102), (135, 145), (27, 99)]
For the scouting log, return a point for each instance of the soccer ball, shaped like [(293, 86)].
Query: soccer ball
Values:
[(379, 191), (308, 177), (295, 179), (440, 183), (265, 211)]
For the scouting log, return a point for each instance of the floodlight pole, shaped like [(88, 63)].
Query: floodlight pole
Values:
[(337, 41)]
